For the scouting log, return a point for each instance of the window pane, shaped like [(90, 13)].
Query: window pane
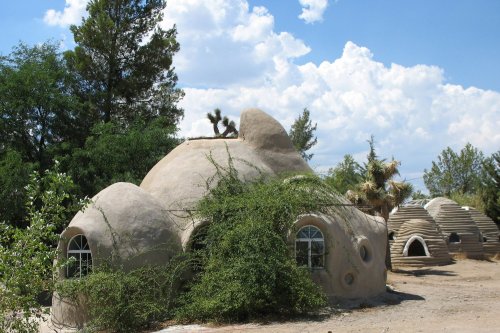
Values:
[(72, 268), (317, 261), (303, 233), (317, 247), (75, 243), (78, 248), (301, 253)]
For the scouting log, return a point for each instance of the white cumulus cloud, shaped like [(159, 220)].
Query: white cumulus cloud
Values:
[(312, 10), (72, 13), (227, 42), (232, 57)]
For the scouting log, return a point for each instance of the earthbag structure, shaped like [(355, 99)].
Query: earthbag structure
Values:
[(488, 229), (458, 226), (418, 244)]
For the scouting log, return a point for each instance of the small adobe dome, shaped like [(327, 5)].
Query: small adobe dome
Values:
[(181, 178), (126, 225), (419, 243), (457, 226), (488, 229), (402, 214)]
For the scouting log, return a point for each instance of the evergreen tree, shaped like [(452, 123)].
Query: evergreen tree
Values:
[(37, 109), (490, 187), (125, 60), (455, 172), (302, 134), (346, 175)]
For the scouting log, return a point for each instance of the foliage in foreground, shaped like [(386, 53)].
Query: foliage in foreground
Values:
[(120, 301), (27, 254), (246, 266)]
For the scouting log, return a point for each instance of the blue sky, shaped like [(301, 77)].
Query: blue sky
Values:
[(419, 75)]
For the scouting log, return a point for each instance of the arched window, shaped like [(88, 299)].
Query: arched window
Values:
[(79, 249), (310, 247)]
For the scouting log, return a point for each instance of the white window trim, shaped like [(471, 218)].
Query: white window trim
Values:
[(309, 246), (79, 253), (411, 240)]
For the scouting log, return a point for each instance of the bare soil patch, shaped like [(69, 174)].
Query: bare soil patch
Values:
[(462, 297)]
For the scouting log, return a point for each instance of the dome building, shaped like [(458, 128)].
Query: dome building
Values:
[(129, 226)]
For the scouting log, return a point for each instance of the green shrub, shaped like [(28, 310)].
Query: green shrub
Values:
[(120, 301), (27, 254), (250, 273), (247, 268)]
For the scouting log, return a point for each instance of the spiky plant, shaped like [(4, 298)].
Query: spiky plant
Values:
[(214, 119), (230, 126)]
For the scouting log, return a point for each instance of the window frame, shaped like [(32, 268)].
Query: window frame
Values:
[(309, 240), (83, 249)]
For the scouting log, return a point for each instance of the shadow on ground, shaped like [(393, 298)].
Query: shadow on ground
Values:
[(423, 272)]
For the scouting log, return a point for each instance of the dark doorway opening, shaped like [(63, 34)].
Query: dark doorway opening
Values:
[(416, 249), (454, 238), (197, 246)]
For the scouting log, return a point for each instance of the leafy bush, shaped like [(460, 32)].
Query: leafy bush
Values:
[(120, 301), (27, 254), (247, 268)]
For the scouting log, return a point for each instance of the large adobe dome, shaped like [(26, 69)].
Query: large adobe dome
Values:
[(179, 180)]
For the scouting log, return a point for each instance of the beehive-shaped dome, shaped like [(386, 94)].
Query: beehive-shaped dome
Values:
[(489, 231), (125, 226), (419, 243), (402, 214), (457, 226)]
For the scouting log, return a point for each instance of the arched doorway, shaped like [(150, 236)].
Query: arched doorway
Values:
[(416, 247)]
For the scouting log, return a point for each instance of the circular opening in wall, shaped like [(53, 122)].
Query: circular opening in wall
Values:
[(391, 236), (349, 279), (364, 254), (485, 239)]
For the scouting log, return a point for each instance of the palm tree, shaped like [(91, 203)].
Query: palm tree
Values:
[(379, 191)]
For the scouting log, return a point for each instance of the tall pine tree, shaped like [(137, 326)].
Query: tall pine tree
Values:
[(125, 60), (302, 134)]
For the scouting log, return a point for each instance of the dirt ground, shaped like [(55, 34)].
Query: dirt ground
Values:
[(462, 297)]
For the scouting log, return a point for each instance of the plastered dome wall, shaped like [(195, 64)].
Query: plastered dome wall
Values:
[(354, 252), (180, 179), (124, 226)]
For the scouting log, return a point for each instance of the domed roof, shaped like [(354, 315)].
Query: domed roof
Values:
[(127, 225), (183, 177)]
